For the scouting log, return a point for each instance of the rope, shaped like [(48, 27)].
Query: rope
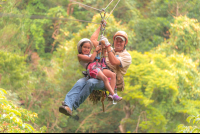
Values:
[(108, 5), (112, 10), (86, 5), (41, 17), (56, 18)]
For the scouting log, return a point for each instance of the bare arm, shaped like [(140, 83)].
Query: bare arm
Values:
[(94, 37), (113, 60), (86, 58)]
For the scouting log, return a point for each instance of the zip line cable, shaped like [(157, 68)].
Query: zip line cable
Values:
[(112, 10), (41, 17), (86, 5), (103, 9), (56, 18), (108, 5)]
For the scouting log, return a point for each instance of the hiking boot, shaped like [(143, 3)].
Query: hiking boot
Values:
[(116, 98), (110, 97), (63, 103), (65, 110)]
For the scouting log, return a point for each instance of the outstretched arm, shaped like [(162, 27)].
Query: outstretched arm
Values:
[(95, 36)]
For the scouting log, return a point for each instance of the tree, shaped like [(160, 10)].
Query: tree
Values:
[(39, 58), (15, 119), (190, 129), (184, 38), (158, 89)]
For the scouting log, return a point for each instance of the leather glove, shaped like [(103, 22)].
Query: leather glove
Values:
[(103, 38)]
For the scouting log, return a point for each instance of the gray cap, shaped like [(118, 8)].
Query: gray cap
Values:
[(120, 37)]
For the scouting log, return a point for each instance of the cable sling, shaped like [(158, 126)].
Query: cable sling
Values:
[(86, 5), (108, 4), (41, 17), (112, 10), (56, 18)]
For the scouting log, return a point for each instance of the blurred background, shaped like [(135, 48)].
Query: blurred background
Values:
[(39, 66)]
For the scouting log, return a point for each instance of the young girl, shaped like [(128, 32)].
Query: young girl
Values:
[(99, 71)]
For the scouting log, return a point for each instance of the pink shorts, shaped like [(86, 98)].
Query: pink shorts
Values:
[(93, 69)]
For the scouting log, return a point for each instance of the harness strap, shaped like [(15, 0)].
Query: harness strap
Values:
[(102, 100)]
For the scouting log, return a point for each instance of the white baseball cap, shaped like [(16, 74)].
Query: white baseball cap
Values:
[(120, 37)]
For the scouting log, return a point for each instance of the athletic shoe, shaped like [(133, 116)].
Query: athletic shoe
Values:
[(116, 98), (110, 97)]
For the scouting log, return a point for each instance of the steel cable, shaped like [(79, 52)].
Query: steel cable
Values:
[(108, 5), (56, 18), (41, 17), (86, 5), (112, 10)]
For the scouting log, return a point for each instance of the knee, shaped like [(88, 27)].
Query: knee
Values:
[(89, 82), (104, 79), (113, 75), (81, 81)]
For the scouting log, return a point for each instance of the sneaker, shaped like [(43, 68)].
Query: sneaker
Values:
[(65, 110), (110, 97), (116, 98)]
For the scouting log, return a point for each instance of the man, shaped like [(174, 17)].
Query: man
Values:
[(118, 60)]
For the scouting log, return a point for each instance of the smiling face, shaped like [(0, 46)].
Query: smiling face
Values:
[(86, 48), (119, 45)]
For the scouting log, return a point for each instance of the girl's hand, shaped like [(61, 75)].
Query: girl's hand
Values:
[(98, 48)]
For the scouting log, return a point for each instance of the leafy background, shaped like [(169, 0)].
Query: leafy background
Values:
[(38, 66)]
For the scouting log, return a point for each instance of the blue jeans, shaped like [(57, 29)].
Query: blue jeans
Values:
[(81, 90)]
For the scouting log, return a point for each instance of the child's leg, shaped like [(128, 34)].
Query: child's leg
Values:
[(102, 77), (110, 74)]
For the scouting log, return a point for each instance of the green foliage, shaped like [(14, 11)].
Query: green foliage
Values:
[(184, 38), (165, 85), (153, 118), (148, 33), (153, 24), (15, 119), (186, 35), (190, 129), (13, 71), (162, 86)]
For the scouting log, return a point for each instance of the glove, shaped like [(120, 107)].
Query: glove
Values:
[(105, 40)]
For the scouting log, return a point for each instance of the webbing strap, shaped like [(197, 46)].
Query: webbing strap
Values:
[(102, 100)]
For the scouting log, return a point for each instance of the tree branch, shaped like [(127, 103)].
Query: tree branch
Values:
[(32, 101)]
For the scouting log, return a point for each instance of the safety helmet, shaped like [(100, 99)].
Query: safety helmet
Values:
[(121, 33), (81, 41)]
